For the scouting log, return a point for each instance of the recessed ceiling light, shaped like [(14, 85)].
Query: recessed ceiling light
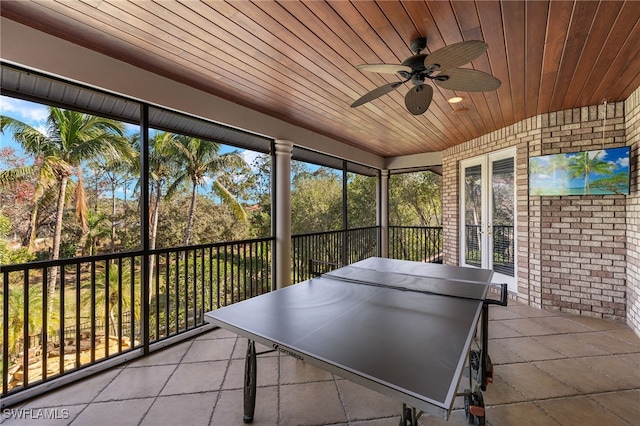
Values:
[(455, 100)]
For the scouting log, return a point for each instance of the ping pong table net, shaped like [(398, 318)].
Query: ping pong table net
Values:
[(413, 283)]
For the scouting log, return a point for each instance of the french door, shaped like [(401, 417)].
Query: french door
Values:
[(488, 215)]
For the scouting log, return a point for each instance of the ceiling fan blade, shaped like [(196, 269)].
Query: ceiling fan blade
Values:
[(376, 93), (467, 80), (418, 99), (384, 68), (456, 55)]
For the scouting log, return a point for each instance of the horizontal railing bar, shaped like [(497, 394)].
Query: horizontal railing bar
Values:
[(414, 227), (40, 264), (213, 245), (339, 231)]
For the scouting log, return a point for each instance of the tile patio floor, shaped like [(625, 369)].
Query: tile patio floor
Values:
[(550, 369)]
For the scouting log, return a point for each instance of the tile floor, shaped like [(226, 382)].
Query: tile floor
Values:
[(550, 369)]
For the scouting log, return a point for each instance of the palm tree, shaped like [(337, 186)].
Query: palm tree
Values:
[(615, 184), (560, 163), (97, 229), (72, 138), (161, 166), (116, 172), (160, 169), (19, 297), (111, 289), (42, 172), (197, 160), (536, 168), (584, 164)]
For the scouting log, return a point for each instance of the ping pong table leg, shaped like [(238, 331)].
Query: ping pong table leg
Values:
[(250, 382), (485, 346), (485, 359), (410, 416)]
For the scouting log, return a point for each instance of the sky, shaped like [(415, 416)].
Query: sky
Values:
[(28, 112), (35, 115)]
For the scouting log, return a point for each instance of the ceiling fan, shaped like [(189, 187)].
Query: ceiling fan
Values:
[(441, 66)]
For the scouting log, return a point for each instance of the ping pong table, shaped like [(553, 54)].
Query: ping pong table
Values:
[(408, 330)]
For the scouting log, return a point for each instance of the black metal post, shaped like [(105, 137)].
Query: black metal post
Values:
[(345, 219), (144, 224), (274, 212)]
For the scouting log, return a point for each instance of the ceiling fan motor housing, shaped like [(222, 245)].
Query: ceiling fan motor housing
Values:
[(418, 70), (415, 62), (418, 44)]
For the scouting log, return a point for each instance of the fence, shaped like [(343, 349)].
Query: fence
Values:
[(94, 309), (332, 247), (419, 243), (103, 306)]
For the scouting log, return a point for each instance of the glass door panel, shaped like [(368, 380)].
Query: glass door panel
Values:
[(473, 215), (502, 189), (487, 235)]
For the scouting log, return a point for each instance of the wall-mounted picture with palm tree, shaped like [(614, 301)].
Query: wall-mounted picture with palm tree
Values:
[(597, 172)]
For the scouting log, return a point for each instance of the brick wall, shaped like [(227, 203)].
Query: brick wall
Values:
[(582, 255), (572, 250), (632, 120), (520, 135), (583, 238)]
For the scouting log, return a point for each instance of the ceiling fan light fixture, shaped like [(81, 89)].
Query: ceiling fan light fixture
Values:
[(417, 80), (455, 100)]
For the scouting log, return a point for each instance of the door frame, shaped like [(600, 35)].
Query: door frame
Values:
[(486, 244)]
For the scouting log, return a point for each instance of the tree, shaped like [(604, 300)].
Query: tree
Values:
[(316, 201), (97, 229), (560, 163), (160, 171), (583, 165), (15, 196), (113, 289), (215, 223), (361, 195), (259, 196), (196, 161), (72, 138), (9, 256), (18, 296), (536, 169), (114, 173), (41, 172), (415, 199), (613, 184)]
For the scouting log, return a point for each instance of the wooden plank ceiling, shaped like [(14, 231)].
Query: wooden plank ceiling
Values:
[(296, 60)]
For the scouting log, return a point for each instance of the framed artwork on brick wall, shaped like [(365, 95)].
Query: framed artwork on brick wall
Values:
[(597, 172)]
